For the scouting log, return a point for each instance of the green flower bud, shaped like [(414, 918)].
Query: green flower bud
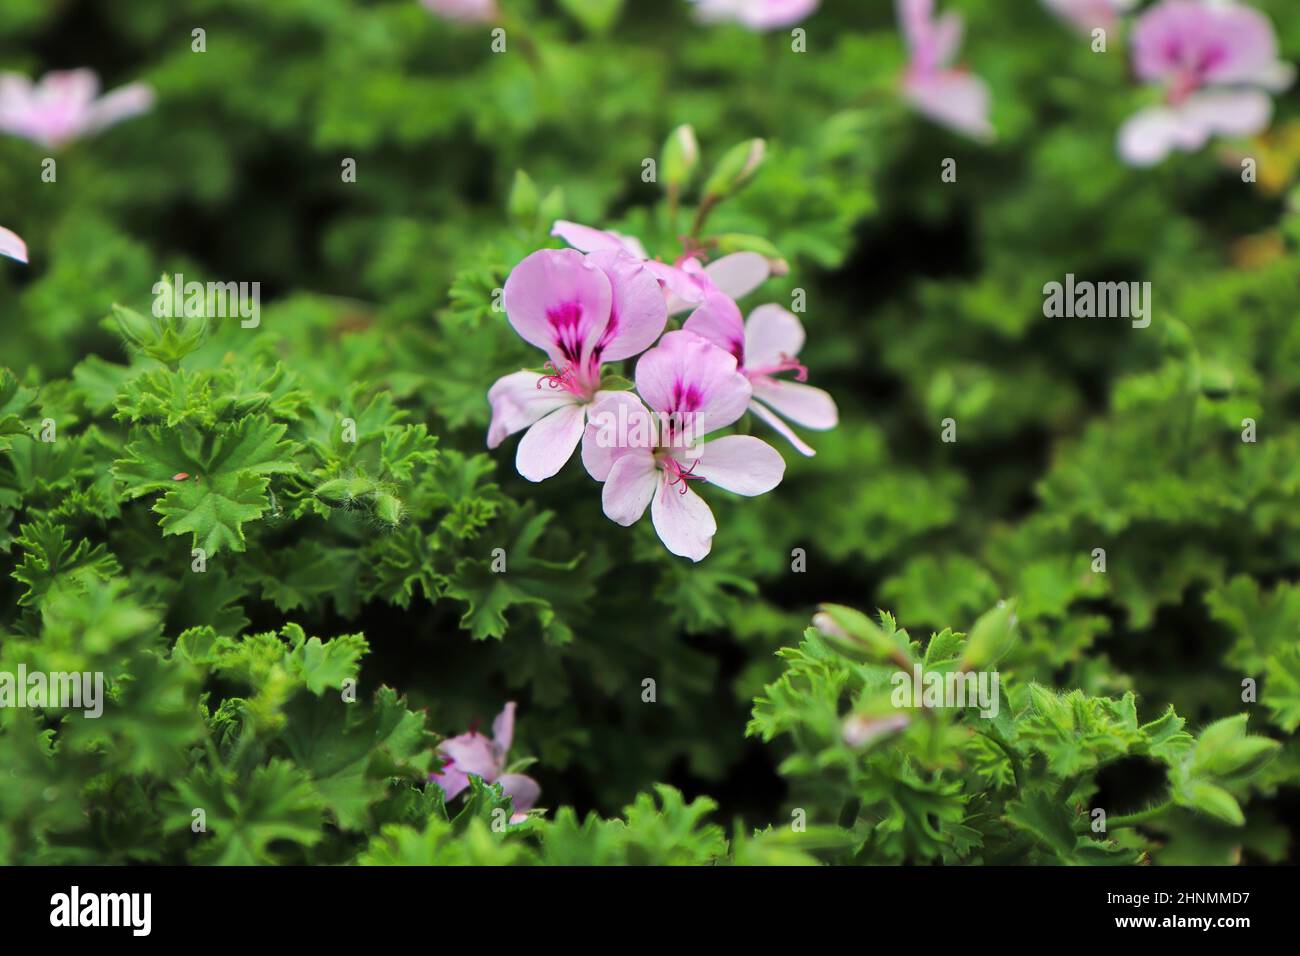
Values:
[(1224, 750), (855, 634), (679, 157), (1212, 800), (137, 329), (336, 489), (736, 168), (991, 637), (388, 509), (524, 199)]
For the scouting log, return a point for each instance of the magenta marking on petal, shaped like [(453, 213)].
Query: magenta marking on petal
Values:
[(686, 397), (566, 321)]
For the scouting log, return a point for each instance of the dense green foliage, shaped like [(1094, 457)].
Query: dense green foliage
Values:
[(128, 442)]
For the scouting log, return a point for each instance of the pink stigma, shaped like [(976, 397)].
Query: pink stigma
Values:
[(559, 379), (786, 364), (684, 475)]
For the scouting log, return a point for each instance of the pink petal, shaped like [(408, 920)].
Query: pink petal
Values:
[(123, 103), (522, 790), (756, 15), (738, 274), (587, 239), (549, 443), (914, 18), (952, 98), (683, 522), (503, 730), (452, 781), (1088, 15), (718, 319), (741, 464), (772, 335), (1212, 44), (617, 425), (946, 38), (785, 431), (470, 753), (1148, 136), (559, 301), (637, 312), (684, 286), (1230, 112), (517, 402), (802, 404), (12, 245), (464, 11), (690, 376), (630, 485)]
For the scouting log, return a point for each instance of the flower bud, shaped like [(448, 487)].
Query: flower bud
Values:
[(861, 730), (991, 637), (735, 170), (1224, 750), (855, 634), (679, 157)]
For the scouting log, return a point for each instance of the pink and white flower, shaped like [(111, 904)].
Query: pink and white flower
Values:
[(464, 11), (686, 281), (684, 379), (950, 96), (12, 245), (756, 15), (1088, 15), (1217, 63), (65, 106), (472, 754), (583, 311), (764, 346)]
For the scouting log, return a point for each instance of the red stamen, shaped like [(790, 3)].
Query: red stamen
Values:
[(557, 378), (684, 475)]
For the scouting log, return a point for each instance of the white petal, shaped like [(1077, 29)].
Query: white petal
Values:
[(630, 486), (802, 404), (741, 464), (683, 522), (548, 444)]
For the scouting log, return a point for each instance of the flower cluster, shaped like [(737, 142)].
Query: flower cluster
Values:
[(1215, 63), (605, 300), (950, 96), (65, 105), (471, 753)]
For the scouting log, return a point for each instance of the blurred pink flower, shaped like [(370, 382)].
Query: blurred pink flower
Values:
[(65, 106), (757, 15), (12, 245), (464, 11), (473, 754), (951, 97), (1216, 63), (1088, 15), (583, 311), (765, 345), (687, 280), (693, 389)]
